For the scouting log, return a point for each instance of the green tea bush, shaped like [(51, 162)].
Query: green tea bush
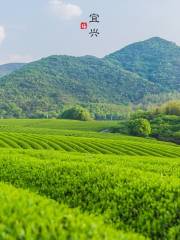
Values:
[(128, 198), (125, 146), (25, 216), (129, 183)]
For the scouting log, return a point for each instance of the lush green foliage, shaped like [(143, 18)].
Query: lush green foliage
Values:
[(25, 215), (57, 82), (166, 128), (130, 183), (43, 135), (152, 99), (164, 121), (104, 111), (139, 127), (156, 59), (9, 68), (169, 108), (76, 113), (126, 196)]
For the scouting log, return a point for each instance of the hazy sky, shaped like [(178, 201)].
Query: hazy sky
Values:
[(31, 29)]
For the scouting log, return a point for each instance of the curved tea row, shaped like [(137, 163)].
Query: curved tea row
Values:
[(87, 145)]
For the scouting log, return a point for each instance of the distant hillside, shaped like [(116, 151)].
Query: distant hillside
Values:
[(57, 80), (156, 60), (127, 76), (9, 68)]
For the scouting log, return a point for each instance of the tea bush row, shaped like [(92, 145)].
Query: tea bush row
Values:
[(87, 145), (26, 216), (128, 198)]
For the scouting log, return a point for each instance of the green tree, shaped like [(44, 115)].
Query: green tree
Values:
[(172, 108), (77, 113), (139, 127)]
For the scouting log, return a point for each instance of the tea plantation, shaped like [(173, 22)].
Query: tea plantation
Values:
[(74, 180)]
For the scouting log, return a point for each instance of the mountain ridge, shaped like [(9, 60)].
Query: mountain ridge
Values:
[(150, 59), (123, 77), (8, 68)]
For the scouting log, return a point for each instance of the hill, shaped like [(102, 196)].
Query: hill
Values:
[(126, 76), (156, 60), (65, 180), (59, 80), (6, 69)]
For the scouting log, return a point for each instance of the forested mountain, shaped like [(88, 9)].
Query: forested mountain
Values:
[(126, 76), (156, 60), (9, 68)]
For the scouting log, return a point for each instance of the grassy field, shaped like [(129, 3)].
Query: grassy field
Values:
[(73, 180)]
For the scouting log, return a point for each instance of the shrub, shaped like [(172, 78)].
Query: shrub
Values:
[(76, 113), (139, 127)]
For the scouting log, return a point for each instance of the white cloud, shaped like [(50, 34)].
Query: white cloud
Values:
[(2, 34), (17, 58), (65, 10), (20, 58)]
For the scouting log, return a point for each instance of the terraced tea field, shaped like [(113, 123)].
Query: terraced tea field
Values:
[(72, 180), (87, 145)]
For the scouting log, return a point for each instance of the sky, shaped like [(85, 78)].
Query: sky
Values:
[(32, 29)]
